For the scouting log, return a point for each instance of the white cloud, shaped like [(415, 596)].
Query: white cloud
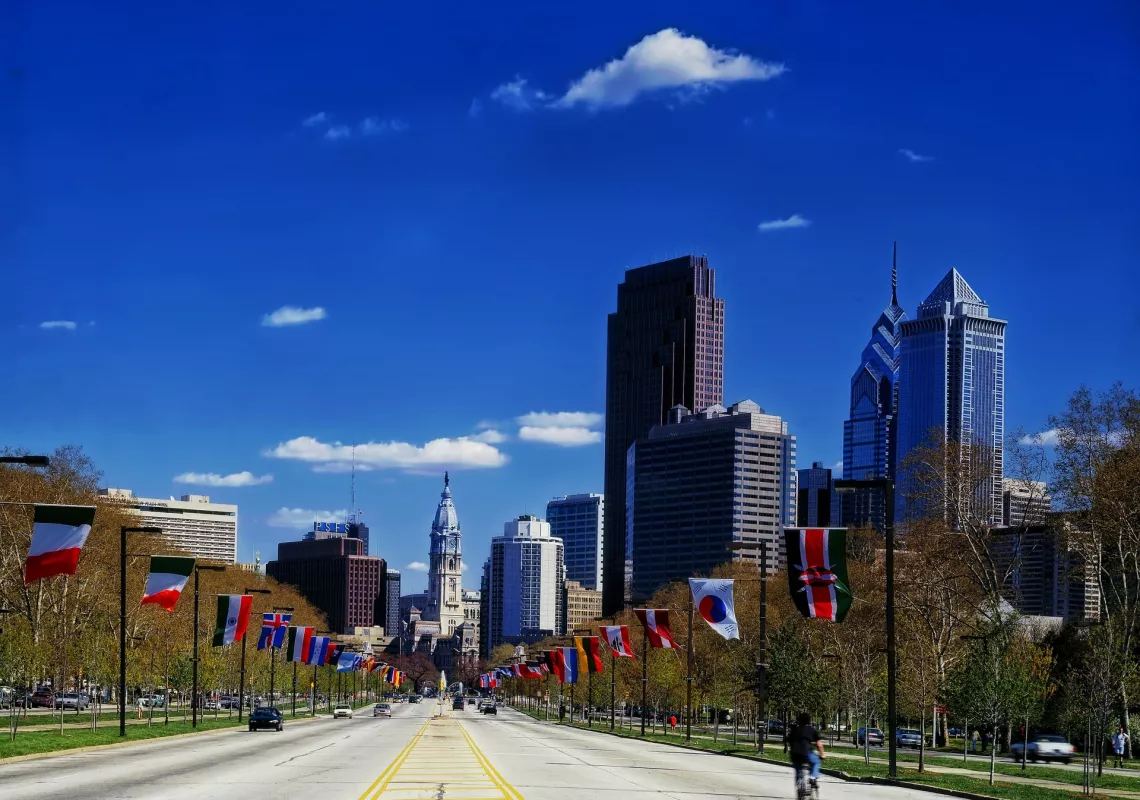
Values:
[(667, 59), (794, 221), (464, 452), (561, 419), (490, 436), (292, 315), (338, 132), (518, 96), (302, 517), (838, 465), (914, 157), (58, 324), (374, 126), (1047, 438), (320, 118), (417, 566), (564, 437), (213, 479)]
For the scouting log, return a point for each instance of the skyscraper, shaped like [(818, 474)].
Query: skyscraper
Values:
[(703, 481), (817, 502), (952, 381), (579, 520), (445, 569), (523, 585), (870, 430), (665, 347), (336, 577)]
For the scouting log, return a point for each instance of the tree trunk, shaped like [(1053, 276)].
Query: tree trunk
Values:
[(922, 737), (1025, 743), (993, 750)]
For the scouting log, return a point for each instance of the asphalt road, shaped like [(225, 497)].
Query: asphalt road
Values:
[(463, 755)]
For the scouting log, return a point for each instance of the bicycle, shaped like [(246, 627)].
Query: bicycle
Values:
[(805, 789)]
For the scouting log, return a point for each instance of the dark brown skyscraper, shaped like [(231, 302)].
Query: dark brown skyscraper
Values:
[(665, 348)]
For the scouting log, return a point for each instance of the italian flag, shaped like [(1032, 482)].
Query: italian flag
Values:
[(58, 535), (167, 579), (233, 618), (817, 572)]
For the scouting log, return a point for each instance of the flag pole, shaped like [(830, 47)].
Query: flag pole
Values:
[(589, 696), (294, 701), (688, 678), (123, 629), (613, 686), (645, 672)]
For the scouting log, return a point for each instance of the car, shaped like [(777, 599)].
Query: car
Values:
[(874, 737), (458, 704), (1044, 747), (71, 700), (489, 708), (342, 710), (415, 698), (906, 737), (382, 710), (42, 698), (266, 717)]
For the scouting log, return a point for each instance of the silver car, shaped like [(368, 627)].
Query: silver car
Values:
[(905, 737)]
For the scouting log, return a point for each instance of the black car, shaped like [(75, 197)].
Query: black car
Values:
[(266, 717), (489, 708)]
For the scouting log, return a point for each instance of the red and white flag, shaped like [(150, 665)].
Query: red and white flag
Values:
[(617, 637), (58, 535), (656, 622)]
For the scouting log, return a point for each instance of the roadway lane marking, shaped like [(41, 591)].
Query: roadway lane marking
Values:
[(442, 760)]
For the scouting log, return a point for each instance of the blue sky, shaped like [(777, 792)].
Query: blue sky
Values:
[(459, 187)]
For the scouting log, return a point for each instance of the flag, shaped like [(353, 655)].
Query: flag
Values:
[(167, 579), (713, 598), (817, 572), (569, 664), (233, 618), (656, 623), (273, 628), (58, 534), (531, 670), (617, 637), (346, 662), (318, 649), (300, 644), (332, 653), (556, 664), (589, 652)]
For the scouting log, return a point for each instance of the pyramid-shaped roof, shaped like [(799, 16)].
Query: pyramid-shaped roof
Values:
[(953, 289)]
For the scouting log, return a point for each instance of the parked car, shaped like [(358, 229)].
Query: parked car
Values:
[(873, 737), (266, 717), (382, 710), (71, 700), (906, 737), (342, 710), (42, 698), (1043, 747), (489, 708)]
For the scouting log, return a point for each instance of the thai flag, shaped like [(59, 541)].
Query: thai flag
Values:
[(273, 627)]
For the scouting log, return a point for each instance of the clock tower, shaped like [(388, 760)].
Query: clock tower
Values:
[(445, 570)]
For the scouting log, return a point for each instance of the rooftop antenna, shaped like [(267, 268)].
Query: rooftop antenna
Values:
[(895, 276), (352, 505)]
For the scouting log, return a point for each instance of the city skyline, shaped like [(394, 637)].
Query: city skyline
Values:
[(264, 278)]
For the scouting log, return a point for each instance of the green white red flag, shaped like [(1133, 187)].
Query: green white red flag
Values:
[(167, 578), (817, 572)]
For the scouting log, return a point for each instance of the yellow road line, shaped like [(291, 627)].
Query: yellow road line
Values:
[(400, 758), (508, 790)]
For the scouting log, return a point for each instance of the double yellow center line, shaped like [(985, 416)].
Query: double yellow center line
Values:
[(441, 757)]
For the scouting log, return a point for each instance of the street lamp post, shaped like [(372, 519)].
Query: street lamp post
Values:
[(194, 658), (123, 531), (241, 674), (762, 656), (887, 487)]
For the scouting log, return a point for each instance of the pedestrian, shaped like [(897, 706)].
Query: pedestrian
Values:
[(1119, 742), (974, 741), (673, 722)]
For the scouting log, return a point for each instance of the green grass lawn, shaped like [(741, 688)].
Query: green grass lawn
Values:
[(50, 741)]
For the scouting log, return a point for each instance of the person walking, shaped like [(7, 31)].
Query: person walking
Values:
[(974, 741), (1119, 743), (673, 722)]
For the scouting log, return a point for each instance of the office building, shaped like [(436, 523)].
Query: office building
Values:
[(817, 502), (524, 583), (339, 530), (445, 568), (702, 482), (473, 611), (952, 385), (1047, 576), (665, 348), (1024, 502), (870, 431), (336, 577), (579, 521), (205, 530), (392, 587), (583, 609)]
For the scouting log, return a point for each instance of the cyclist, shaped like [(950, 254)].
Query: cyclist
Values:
[(805, 746)]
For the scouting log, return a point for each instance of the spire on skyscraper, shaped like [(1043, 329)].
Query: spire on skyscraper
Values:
[(895, 276)]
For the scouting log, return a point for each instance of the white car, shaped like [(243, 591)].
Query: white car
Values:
[(1044, 747), (382, 710), (342, 710)]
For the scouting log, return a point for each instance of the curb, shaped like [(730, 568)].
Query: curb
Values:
[(834, 773), (115, 745)]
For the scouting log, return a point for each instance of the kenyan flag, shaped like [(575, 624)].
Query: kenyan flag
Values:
[(817, 572)]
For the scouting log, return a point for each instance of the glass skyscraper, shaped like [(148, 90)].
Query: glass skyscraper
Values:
[(952, 380), (579, 521), (870, 430)]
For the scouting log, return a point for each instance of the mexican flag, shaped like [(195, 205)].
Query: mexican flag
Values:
[(167, 579), (233, 618), (817, 572)]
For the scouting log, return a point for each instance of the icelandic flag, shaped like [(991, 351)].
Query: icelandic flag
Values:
[(273, 627), (713, 598), (656, 622), (569, 664), (318, 650)]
